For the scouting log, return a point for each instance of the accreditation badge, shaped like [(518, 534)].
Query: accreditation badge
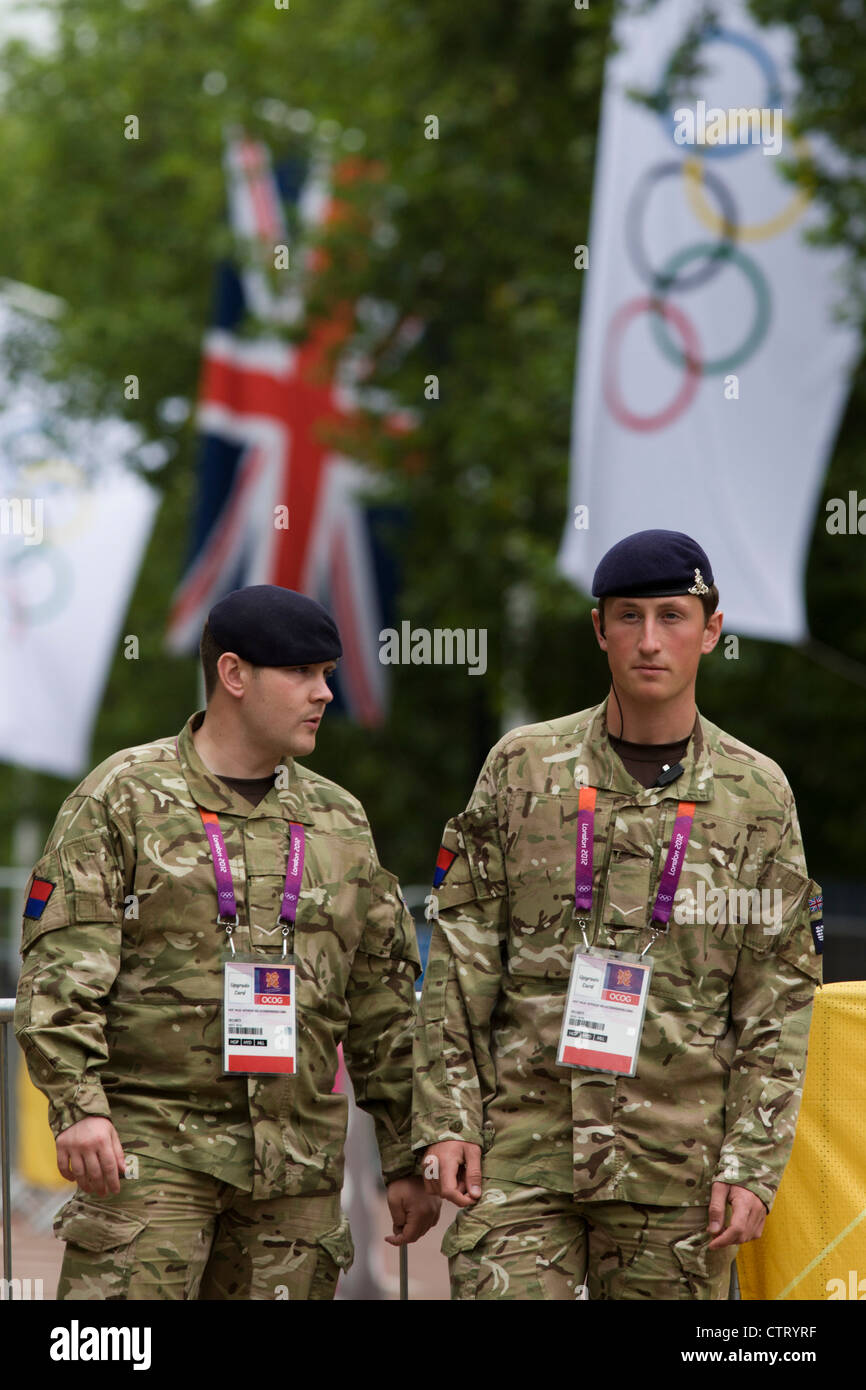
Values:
[(259, 1032), (603, 1022)]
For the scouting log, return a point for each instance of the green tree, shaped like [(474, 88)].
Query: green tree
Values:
[(473, 231)]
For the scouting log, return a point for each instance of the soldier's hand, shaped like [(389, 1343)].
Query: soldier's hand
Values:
[(413, 1210), (452, 1170), (90, 1154), (748, 1214)]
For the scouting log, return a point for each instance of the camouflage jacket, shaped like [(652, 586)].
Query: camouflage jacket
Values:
[(723, 1049), (120, 997)]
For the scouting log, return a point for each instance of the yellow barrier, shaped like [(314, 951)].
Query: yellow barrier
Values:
[(37, 1163), (814, 1241)]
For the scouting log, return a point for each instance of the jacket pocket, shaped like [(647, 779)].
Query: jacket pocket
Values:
[(787, 894), (389, 929), (542, 844), (93, 879), (265, 896)]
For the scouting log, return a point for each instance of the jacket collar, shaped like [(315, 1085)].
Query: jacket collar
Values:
[(212, 794), (606, 769)]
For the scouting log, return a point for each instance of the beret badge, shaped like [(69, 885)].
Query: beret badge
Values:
[(699, 587)]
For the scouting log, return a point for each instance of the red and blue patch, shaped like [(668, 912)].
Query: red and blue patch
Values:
[(37, 901), (444, 859)]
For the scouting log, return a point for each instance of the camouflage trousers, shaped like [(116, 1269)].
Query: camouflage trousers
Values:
[(521, 1242), (173, 1233)]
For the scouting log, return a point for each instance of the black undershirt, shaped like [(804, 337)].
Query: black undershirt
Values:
[(644, 761), (252, 789)]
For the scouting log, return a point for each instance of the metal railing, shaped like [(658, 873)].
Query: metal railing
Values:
[(7, 1010)]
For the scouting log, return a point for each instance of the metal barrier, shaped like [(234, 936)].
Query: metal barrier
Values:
[(7, 1010)]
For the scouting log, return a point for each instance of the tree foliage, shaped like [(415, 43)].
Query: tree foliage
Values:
[(474, 232)]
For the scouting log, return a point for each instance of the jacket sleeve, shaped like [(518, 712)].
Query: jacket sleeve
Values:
[(71, 956), (771, 1008), (381, 999), (454, 1075)]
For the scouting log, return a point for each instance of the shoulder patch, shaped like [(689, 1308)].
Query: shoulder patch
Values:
[(444, 859), (37, 899)]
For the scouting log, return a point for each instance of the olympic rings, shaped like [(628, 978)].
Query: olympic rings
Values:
[(756, 333), (64, 481), (758, 231), (62, 580), (726, 226), (714, 33), (690, 359), (672, 278)]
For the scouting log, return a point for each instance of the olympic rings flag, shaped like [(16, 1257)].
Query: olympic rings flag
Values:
[(711, 372), (73, 526)]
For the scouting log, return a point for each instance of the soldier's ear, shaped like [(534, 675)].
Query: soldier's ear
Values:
[(232, 672), (712, 632)]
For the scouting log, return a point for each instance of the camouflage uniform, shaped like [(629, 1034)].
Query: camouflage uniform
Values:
[(120, 997), (720, 1069)]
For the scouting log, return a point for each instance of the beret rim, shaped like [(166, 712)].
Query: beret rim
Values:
[(665, 591), (270, 625)]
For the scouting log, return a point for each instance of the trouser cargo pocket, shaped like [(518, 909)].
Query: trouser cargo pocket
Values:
[(100, 1250), (706, 1272), (335, 1253), (508, 1262)]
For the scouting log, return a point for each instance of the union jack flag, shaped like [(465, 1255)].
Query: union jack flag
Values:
[(277, 503)]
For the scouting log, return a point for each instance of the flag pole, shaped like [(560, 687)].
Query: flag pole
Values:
[(519, 618), (834, 661)]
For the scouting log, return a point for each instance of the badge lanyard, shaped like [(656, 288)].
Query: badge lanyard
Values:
[(670, 877), (259, 1005), (227, 908), (603, 1020)]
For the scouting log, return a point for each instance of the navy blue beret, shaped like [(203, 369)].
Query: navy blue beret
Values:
[(653, 564), (271, 626)]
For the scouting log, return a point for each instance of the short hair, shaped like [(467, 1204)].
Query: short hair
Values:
[(710, 601), (210, 652)]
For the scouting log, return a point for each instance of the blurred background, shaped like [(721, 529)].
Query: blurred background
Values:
[(325, 260)]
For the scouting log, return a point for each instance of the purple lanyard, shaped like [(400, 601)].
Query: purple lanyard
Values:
[(674, 862), (583, 862), (226, 901)]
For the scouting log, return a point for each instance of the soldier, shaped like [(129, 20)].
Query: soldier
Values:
[(634, 1126), (194, 1110)]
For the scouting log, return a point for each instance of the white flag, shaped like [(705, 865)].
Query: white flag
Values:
[(711, 371), (73, 526)]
